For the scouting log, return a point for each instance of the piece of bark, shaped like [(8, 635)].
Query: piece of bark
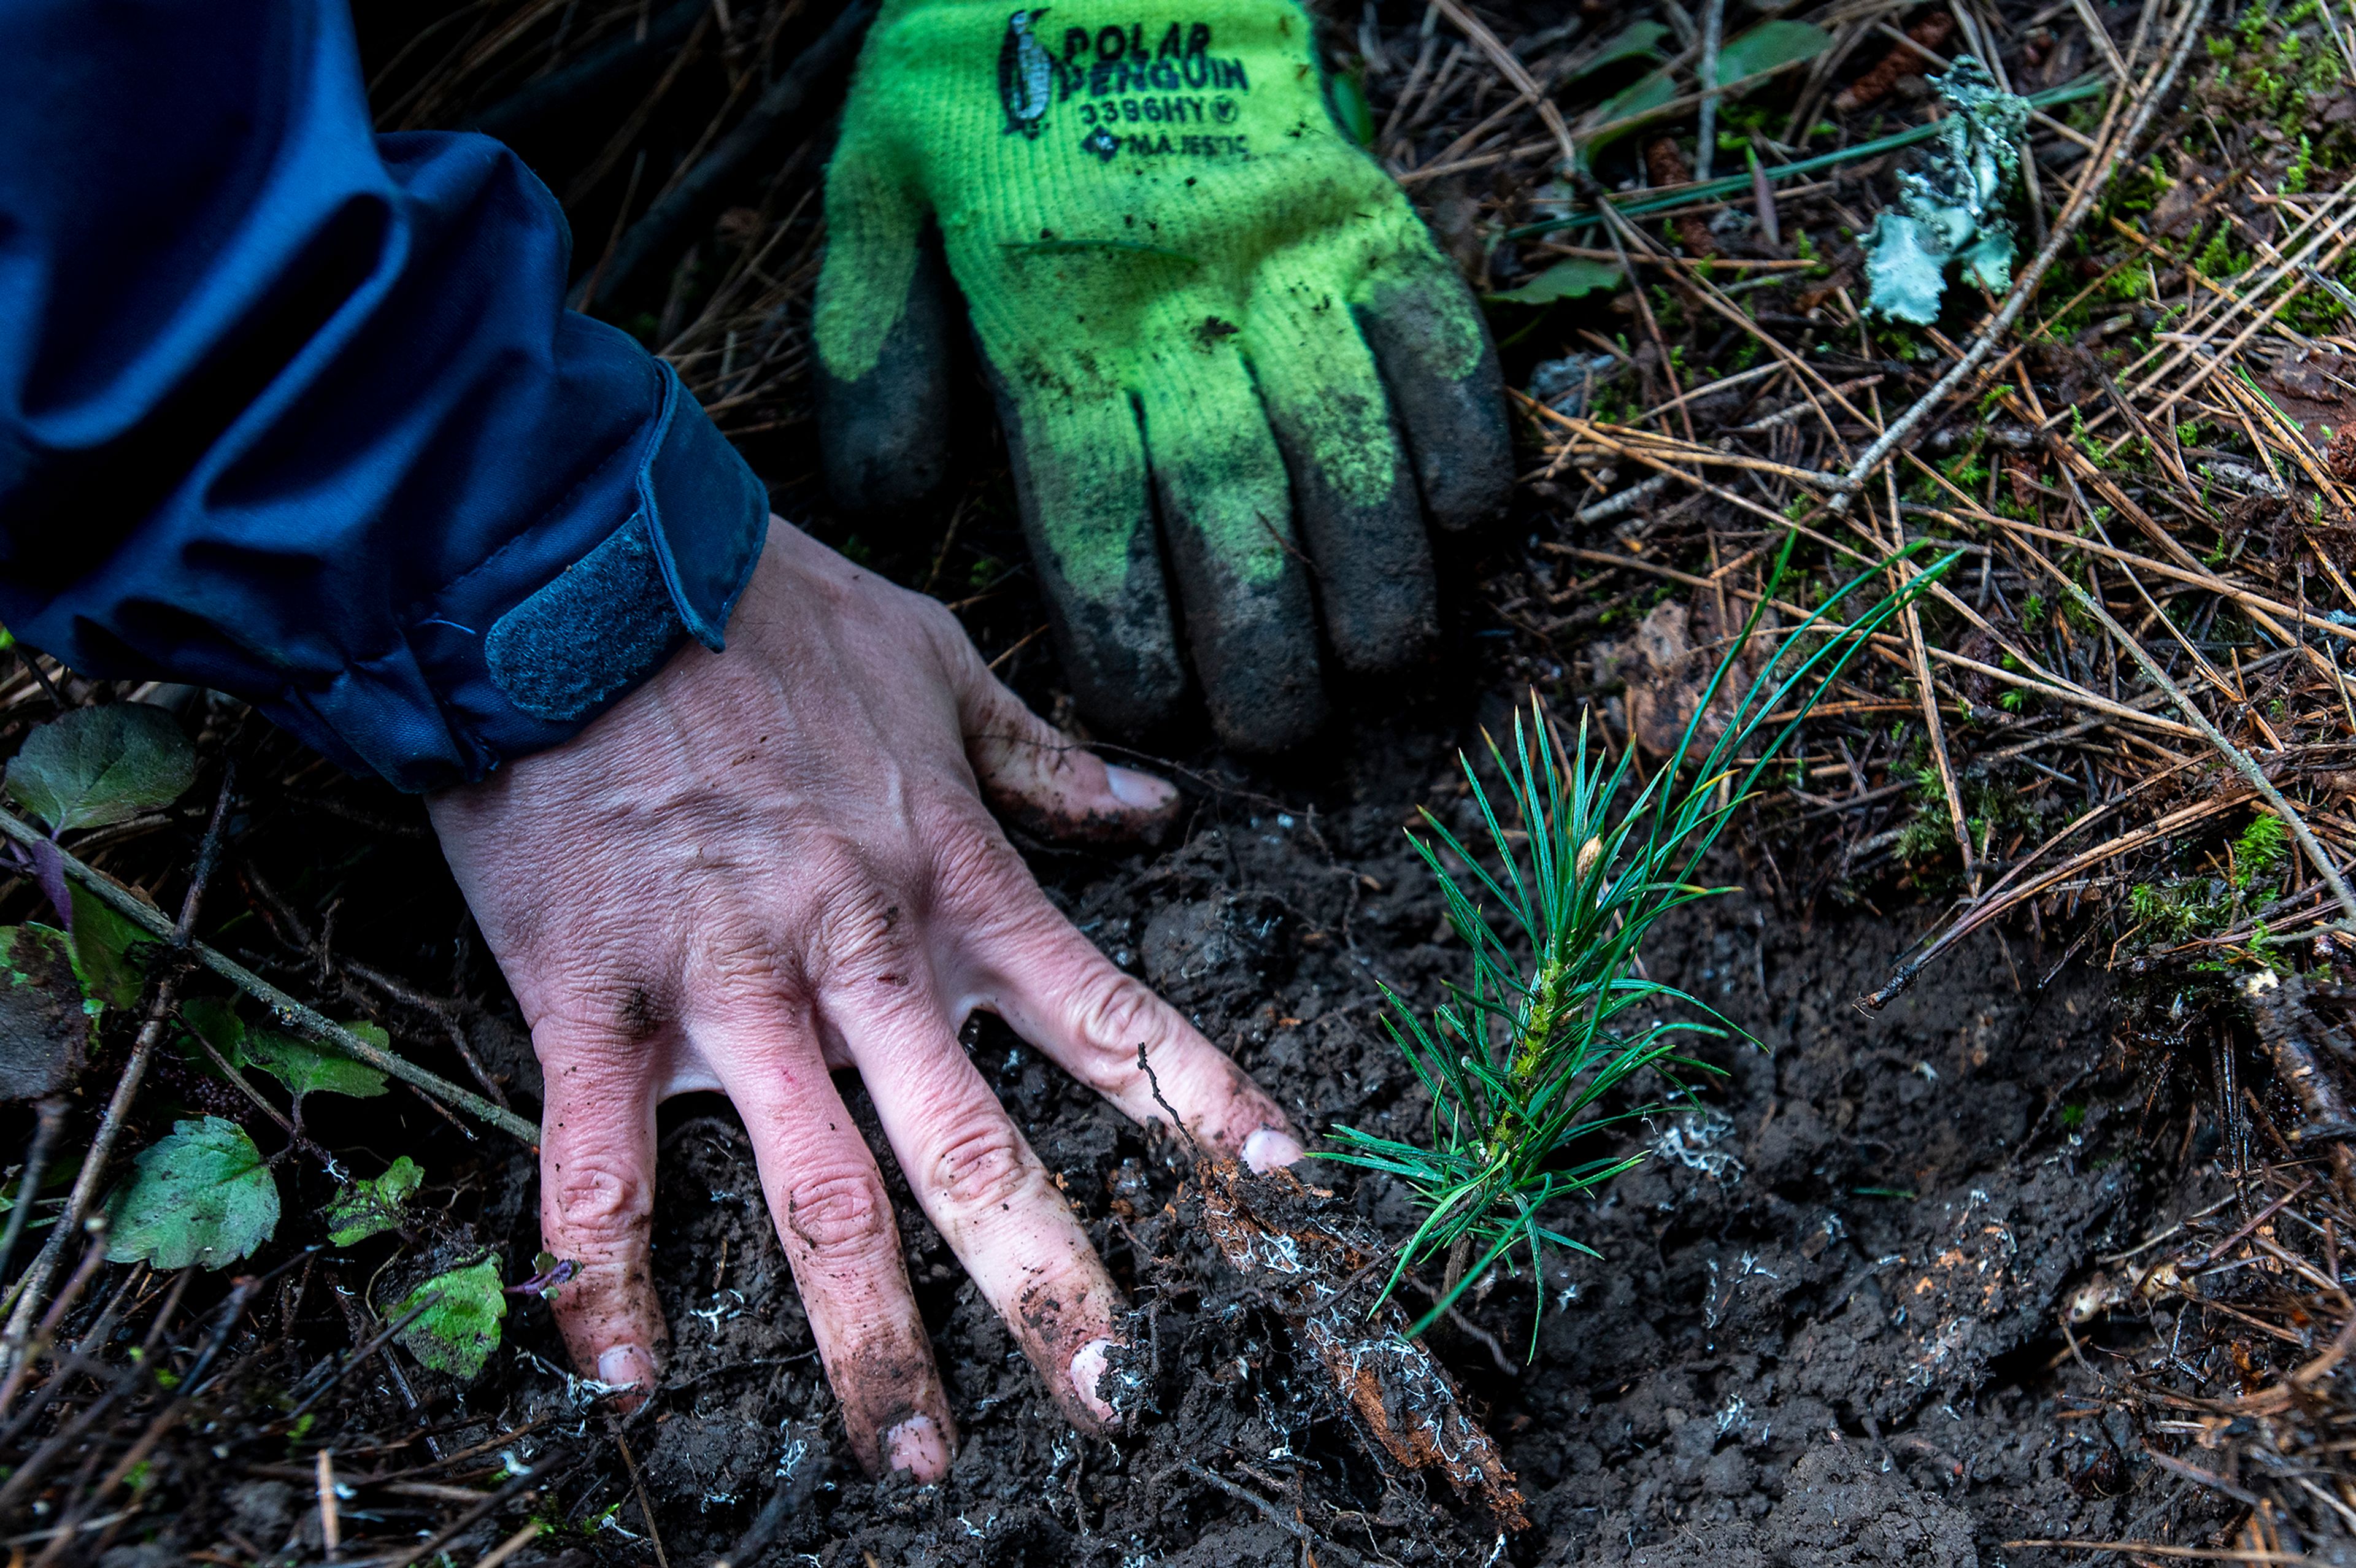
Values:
[(1932, 32), (1664, 165), (2290, 1029)]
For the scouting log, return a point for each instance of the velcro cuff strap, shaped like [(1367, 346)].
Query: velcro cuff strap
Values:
[(674, 570), (708, 514)]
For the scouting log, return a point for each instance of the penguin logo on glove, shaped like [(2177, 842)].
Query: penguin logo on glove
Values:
[(1024, 73)]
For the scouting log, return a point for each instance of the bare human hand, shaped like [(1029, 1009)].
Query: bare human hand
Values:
[(775, 862)]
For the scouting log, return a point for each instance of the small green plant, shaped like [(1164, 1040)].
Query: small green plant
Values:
[(2180, 909), (201, 1195), (364, 1208), (2218, 259), (1522, 1061), (2259, 850), (458, 1312)]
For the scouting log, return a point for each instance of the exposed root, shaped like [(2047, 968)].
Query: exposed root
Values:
[(1286, 1241)]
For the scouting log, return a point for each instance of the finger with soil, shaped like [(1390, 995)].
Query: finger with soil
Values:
[(1035, 776), (1098, 1023), (986, 1192), (597, 1200), (834, 1219)]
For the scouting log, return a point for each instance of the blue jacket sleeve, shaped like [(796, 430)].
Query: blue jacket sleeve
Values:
[(295, 410)]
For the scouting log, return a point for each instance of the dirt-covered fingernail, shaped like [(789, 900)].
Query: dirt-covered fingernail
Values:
[(1139, 792), (916, 1447), (1269, 1148), (626, 1366), (1087, 1368)]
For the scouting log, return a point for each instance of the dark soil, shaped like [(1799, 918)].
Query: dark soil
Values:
[(1823, 1328), (1824, 1322)]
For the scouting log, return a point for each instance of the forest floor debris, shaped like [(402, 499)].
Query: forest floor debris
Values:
[(2042, 1262)]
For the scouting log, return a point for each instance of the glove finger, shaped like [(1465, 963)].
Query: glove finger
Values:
[(881, 430), (1351, 480), (1441, 371), (1080, 480), (1226, 515)]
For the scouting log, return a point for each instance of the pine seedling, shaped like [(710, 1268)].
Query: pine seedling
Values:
[(1520, 1061)]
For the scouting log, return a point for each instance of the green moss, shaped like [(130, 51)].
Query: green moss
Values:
[(2218, 259), (2260, 850), (2180, 909)]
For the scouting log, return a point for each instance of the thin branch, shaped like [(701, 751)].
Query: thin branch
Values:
[(309, 1021)]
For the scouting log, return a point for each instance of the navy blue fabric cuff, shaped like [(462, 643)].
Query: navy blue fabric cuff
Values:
[(295, 410), (524, 651), (674, 570)]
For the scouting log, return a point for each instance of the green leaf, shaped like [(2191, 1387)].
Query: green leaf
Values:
[(1771, 46), (308, 1069), (1638, 40), (215, 1018), (199, 1196), (1565, 279), (460, 1326), (364, 1208), (1648, 92), (97, 765), (44, 1021), (103, 941)]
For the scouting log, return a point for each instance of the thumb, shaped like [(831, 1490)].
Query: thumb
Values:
[(1034, 773)]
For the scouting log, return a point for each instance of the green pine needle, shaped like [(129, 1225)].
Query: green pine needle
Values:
[(1522, 1059)]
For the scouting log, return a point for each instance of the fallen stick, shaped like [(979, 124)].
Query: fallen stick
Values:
[(309, 1021), (802, 89)]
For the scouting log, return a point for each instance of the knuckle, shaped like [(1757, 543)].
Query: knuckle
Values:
[(616, 1012), (940, 623), (839, 1214), (738, 962), (983, 1165), (976, 866), (598, 1203), (1114, 1014), (858, 916)]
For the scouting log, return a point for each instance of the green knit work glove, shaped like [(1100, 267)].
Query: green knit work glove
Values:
[(1197, 300)]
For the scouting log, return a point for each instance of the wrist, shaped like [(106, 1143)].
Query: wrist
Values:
[(518, 654)]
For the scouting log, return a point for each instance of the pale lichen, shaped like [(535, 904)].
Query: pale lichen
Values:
[(1954, 205)]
